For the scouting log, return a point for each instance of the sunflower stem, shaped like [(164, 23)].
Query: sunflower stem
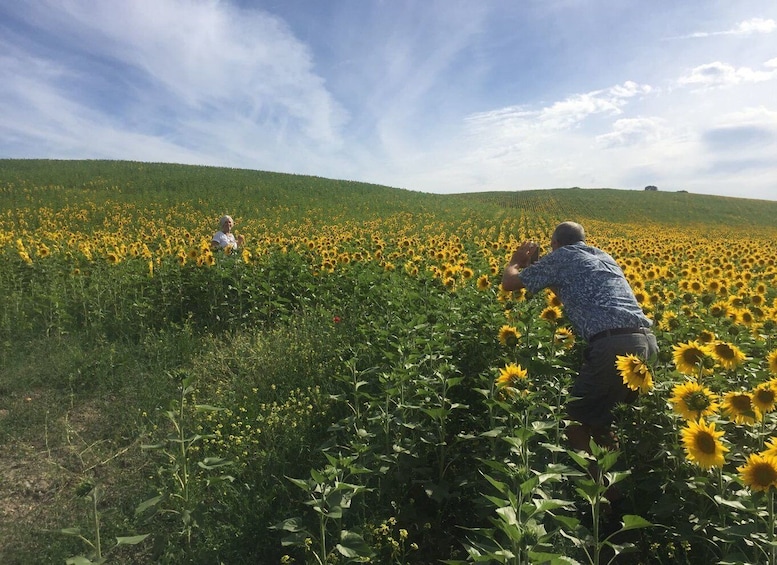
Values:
[(770, 529)]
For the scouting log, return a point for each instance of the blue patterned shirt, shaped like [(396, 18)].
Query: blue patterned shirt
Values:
[(592, 287)]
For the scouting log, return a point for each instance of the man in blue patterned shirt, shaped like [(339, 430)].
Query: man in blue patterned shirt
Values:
[(601, 306)]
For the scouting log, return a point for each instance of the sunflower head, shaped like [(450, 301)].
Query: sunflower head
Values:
[(564, 337), (512, 379), (706, 336), (759, 472), (551, 314), (772, 359), (726, 354), (765, 396), (669, 321), (693, 401), (483, 282), (508, 335), (739, 406), (635, 373), (703, 445), (689, 357)]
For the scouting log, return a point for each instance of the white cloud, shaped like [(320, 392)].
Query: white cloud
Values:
[(747, 27), (755, 25), (513, 126), (633, 131), (720, 74), (198, 59)]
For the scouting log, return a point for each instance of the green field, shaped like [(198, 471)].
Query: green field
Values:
[(328, 393)]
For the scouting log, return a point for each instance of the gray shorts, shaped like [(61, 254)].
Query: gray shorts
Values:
[(599, 385)]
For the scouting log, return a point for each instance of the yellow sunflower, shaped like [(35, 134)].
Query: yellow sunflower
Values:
[(772, 359), (669, 321), (635, 373), (771, 447), (508, 335), (553, 299), (693, 401), (765, 396), (551, 314), (564, 337), (703, 445), (740, 407), (706, 336), (727, 355), (483, 282), (759, 472), (719, 309), (512, 378), (689, 357)]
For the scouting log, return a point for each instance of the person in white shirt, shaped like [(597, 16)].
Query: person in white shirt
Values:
[(224, 238)]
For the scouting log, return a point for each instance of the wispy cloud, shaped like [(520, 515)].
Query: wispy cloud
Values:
[(205, 74), (718, 74), (634, 131), (516, 123), (747, 27)]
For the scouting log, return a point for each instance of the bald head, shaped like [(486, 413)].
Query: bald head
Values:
[(567, 233)]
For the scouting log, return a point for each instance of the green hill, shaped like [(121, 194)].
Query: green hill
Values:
[(246, 191)]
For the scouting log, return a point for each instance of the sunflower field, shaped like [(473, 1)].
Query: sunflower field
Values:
[(353, 386)]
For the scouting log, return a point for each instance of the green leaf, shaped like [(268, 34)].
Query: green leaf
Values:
[(583, 461), (290, 525), (150, 503), (335, 512), (213, 463), (79, 560), (589, 490), (496, 432), (207, 408), (633, 522), (545, 505), (317, 476), (131, 540), (551, 559), (498, 485), (353, 545), (508, 514), (301, 483), (608, 460), (730, 503)]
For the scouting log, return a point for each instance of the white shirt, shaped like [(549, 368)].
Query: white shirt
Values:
[(225, 239)]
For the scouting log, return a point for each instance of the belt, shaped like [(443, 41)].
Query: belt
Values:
[(616, 331)]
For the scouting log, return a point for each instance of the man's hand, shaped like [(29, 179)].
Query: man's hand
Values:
[(526, 254)]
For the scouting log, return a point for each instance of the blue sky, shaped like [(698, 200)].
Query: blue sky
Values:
[(436, 96)]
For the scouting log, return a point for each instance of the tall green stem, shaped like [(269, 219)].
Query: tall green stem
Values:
[(770, 529)]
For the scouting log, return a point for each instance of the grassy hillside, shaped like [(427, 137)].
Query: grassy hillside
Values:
[(250, 192), (634, 206)]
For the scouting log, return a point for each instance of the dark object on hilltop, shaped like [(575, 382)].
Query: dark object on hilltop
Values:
[(651, 187)]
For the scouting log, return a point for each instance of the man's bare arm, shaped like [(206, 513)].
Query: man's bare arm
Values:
[(522, 258)]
